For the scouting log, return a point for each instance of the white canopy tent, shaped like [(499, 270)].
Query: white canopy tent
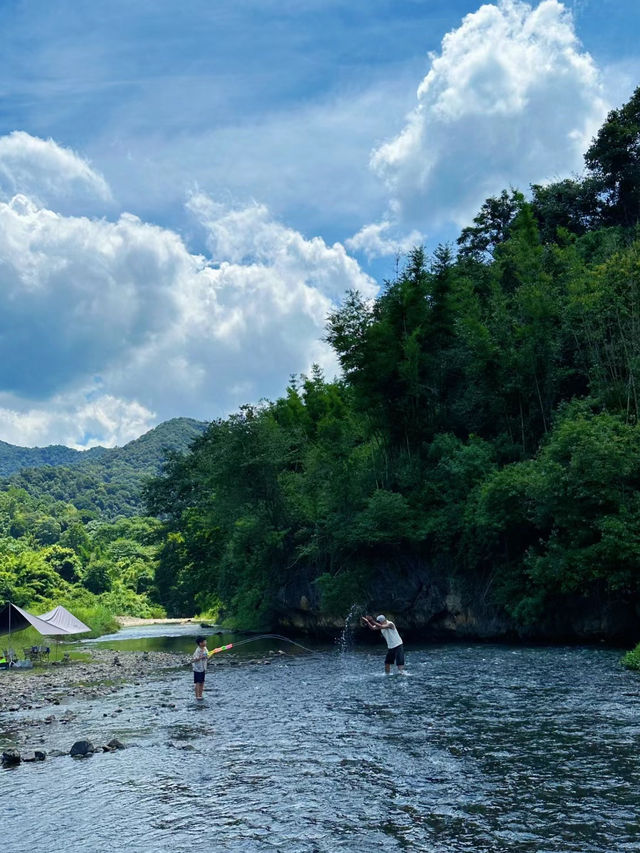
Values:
[(14, 618), (64, 621), (56, 623)]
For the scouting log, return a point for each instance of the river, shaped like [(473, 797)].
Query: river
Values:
[(477, 748)]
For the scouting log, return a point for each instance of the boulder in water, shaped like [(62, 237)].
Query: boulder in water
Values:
[(30, 757), (82, 748), (114, 743), (11, 758)]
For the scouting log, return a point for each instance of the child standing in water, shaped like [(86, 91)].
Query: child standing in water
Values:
[(199, 660)]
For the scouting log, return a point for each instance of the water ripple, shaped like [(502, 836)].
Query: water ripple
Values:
[(484, 749)]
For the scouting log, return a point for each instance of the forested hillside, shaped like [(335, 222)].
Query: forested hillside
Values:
[(73, 535), (483, 439), (13, 458), (101, 482)]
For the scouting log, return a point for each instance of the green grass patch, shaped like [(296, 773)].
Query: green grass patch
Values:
[(80, 657), (19, 640), (98, 618), (22, 641)]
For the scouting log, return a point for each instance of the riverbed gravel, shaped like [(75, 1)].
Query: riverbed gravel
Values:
[(105, 673)]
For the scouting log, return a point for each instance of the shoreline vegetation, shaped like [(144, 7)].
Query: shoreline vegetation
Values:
[(632, 659)]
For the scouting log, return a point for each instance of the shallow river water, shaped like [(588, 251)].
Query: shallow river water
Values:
[(477, 748)]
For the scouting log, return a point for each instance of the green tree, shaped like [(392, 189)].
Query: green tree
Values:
[(97, 577), (491, 226), (614, 160), (572, 205), (65, 561)]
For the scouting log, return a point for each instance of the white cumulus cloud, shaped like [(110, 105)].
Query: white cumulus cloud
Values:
[(376, 240), (49, 174), (109, 326), (75, 420), (511, 99), (249, 235)]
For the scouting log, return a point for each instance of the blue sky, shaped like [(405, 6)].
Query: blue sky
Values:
[(186, 189)]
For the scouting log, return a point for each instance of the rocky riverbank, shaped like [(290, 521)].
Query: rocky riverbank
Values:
[(46, 686), (433, 604), (105, 673)]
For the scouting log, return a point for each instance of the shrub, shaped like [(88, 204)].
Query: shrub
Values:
[(632, 659)]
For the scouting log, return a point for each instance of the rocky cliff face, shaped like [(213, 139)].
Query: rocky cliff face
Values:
[(428, 605)]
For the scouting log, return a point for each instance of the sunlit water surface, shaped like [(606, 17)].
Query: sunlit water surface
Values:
[(477, 748)]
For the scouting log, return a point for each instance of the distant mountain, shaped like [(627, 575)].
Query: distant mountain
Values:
[(104, 482), (14, 458)]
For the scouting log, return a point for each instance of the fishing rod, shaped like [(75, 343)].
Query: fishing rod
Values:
[(254, 639)]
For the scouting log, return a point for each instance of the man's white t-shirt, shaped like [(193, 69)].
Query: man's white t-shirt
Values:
[(391, 636)]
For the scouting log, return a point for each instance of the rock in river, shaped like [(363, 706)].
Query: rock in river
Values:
[(38, 755), (81, 748), (11, 757)]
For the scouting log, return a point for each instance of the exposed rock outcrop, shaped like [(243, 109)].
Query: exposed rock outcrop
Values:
[(433, 603)]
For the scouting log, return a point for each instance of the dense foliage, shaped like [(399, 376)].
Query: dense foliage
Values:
[(49, 555), (70, 535), (485, 424)]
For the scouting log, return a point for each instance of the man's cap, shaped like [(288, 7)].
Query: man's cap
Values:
[(381, 618)]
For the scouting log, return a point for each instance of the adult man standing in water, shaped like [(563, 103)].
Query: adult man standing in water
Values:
[(395, 649)]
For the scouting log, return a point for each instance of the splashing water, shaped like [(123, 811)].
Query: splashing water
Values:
[(345, 640)]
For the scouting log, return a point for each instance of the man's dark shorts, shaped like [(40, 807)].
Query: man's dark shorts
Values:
[(395, 656), (198, 677)]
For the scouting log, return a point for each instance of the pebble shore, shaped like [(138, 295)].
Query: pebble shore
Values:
[(106, 672), (51, 684)]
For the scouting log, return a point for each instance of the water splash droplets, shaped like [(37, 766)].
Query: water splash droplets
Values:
[(345, 640)]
